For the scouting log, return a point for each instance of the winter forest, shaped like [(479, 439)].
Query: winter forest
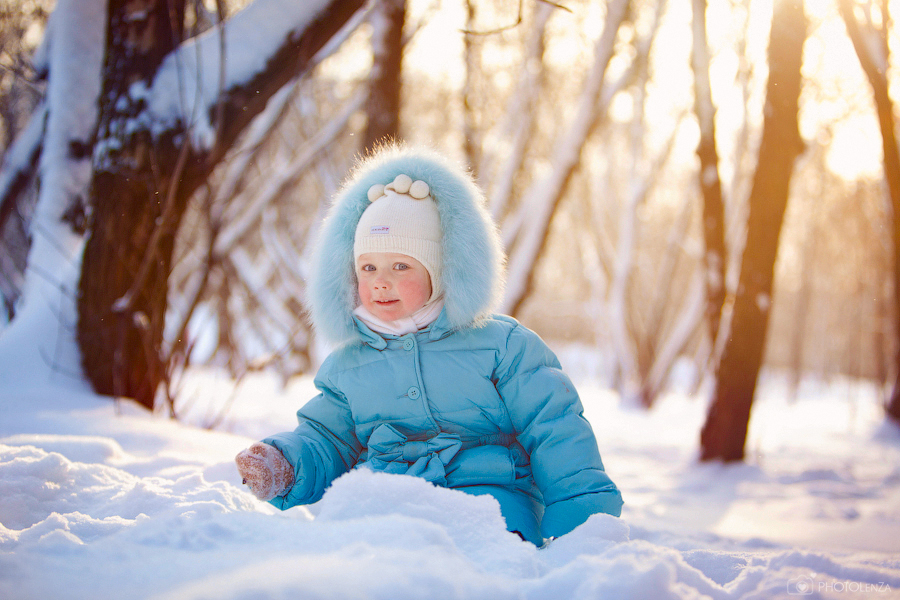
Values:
[(698, 203)]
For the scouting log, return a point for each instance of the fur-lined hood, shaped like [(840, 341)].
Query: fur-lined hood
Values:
[(473, 261)]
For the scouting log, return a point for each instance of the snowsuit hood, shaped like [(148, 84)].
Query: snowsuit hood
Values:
[(472, 260)]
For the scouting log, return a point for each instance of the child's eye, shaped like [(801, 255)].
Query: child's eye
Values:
[(401, 266), (367, 268)]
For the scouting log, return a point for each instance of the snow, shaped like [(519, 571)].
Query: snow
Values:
[(101, 499)]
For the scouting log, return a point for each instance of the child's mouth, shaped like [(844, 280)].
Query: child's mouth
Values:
[(385, 302)]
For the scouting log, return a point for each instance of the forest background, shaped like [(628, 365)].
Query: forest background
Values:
[(660, 202)]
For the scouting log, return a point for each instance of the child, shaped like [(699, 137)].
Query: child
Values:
[(426, 381)]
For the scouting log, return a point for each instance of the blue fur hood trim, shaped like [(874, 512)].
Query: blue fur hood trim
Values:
[(473, 260)]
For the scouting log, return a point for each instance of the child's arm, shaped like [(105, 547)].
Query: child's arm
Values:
[(321, 448), (547, 414)]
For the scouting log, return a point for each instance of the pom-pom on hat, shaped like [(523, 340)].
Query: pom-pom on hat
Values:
[(402, 218)]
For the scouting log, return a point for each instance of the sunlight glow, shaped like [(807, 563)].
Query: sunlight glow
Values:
[(837, 99), (855, 149)]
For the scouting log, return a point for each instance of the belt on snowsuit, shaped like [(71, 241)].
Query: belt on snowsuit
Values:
[(442, 460)]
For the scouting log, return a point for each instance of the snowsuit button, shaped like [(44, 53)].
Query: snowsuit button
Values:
[(413, 393), (408, 344)]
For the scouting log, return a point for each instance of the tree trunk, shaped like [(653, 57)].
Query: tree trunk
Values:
[(872, 49), (142, 182), (710, 185), (120, 325), (383, 105), (725, 432)]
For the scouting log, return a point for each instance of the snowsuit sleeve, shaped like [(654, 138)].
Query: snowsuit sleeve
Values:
[(321, 448), (547, 415)]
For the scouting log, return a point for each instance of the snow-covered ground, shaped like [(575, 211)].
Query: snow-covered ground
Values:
[(100, 500)]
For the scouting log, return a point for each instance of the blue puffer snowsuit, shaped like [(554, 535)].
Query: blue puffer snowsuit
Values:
[(475, 401)]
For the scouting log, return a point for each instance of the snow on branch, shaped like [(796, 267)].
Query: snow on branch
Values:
[(254, 38)]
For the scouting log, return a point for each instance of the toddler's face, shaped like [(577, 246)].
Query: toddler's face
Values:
[(392, 286)]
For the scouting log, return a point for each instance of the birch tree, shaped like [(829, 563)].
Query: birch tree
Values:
[(544, 196), (498, 169)]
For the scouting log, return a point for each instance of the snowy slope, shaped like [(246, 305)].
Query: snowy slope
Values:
[(99, 500)]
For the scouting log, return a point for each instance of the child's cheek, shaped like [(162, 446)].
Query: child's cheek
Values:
[(413, 292), (363, 291)]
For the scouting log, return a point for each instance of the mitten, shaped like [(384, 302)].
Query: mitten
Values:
[(265, 470)]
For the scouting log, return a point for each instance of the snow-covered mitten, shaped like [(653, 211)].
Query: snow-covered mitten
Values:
[(265, 470)]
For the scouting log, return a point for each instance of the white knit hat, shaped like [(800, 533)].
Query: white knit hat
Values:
[(402, 218)]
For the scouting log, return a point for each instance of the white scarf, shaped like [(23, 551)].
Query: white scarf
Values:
[(414, 322)]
